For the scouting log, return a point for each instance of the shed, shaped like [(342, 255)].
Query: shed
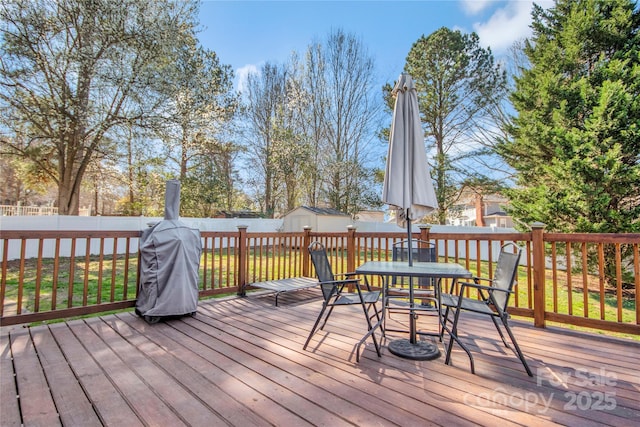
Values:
[(319, 219), (370, 216)]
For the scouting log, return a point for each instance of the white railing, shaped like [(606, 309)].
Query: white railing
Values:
[(9, 210)]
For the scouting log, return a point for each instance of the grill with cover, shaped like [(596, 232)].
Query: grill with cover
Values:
[(169, 264)]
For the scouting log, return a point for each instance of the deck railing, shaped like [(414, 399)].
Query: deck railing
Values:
[(587, 280)]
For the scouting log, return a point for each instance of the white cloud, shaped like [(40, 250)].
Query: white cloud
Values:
[(472, 7), (507, 24), (241, 75)]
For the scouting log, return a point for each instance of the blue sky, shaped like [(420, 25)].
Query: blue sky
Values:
[(246, 34)]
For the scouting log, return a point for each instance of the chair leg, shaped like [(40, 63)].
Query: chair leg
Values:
[(375, 343), (370, 328), (376, 313), (452, 332), (327, 317), (495, 322), (315, 326), (445, 319), (370, 332), (517, 348), (454, 336)]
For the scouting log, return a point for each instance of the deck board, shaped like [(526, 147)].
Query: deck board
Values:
[(111, 407), (9, 408), (240, 362), (38, 409), (64, 387)]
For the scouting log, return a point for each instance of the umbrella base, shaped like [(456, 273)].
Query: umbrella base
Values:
[(421, 350)]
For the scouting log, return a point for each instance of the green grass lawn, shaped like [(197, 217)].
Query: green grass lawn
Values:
[(117, 282)]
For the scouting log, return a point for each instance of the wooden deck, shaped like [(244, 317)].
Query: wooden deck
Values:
[(240, 362)]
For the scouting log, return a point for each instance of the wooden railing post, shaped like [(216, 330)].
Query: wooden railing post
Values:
[(241, 265), (306, 260), (539, 267), (424, 231), (351, 248)]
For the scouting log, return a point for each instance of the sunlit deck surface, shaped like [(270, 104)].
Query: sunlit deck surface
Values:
[(240, 362)]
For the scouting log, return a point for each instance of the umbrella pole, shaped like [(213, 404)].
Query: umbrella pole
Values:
[(409, 236), (412, 316)]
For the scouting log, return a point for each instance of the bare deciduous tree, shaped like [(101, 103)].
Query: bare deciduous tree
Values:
[(266, 95), (72, 70), (340, 76)]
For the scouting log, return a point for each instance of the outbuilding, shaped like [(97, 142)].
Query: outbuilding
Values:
[(319, 219)]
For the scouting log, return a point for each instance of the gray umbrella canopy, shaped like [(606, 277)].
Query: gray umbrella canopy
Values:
[(407, 181)]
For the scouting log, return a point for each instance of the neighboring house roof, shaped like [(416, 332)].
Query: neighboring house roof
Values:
[(323, 211), (240, 214), (499, 213)]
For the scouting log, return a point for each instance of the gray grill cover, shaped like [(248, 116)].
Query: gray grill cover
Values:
[(170, 262)]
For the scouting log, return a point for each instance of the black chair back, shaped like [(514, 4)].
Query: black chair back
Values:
[(505, 275), (421, 251), (322, 266)]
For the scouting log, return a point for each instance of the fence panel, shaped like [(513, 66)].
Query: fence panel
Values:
[(592, 280), (588, 280), (85, 274)]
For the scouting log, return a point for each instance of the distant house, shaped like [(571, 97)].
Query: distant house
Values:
[(481, 211), (498, 219), (319, 219)]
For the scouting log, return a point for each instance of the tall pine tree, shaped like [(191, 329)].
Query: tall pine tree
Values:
[(458, 84), (576, 138)]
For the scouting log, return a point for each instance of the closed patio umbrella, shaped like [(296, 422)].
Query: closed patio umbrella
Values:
[(407, 181), (408, 188)]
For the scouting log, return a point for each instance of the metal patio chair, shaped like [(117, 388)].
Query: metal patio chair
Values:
[(493, 301), (335, 293), (421, 251), (397, 293)]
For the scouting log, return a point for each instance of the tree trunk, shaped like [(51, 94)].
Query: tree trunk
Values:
[(68, 200), (96, 198)]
